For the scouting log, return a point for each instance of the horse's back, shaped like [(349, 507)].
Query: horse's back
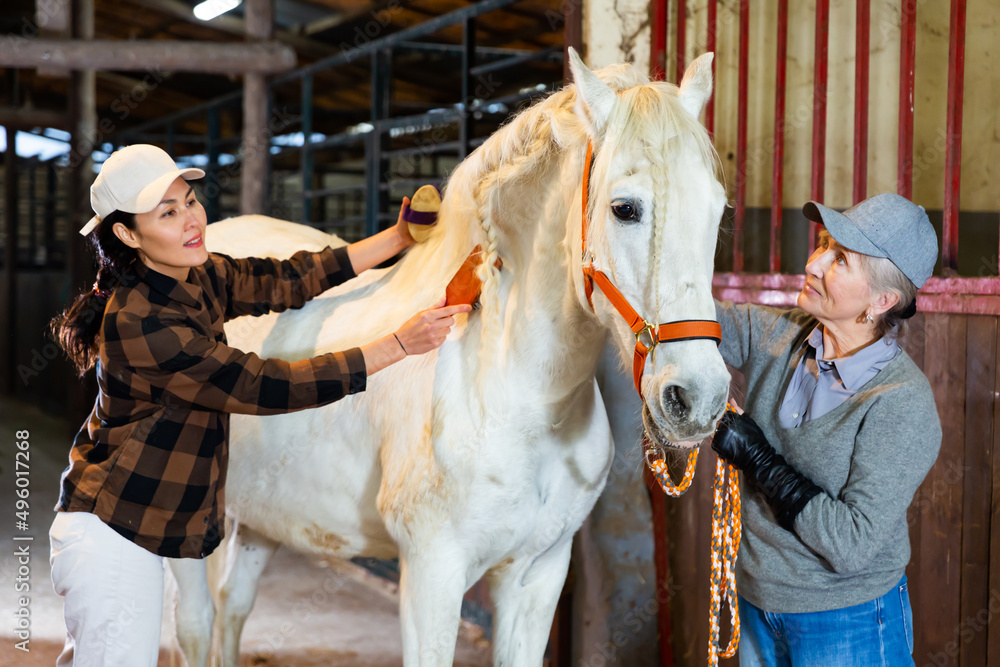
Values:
[(261, 236), (327, 456)]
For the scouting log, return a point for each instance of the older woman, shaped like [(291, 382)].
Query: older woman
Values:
[(839, 430)]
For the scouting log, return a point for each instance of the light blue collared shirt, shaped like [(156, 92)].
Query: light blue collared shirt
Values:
[(819, 385)]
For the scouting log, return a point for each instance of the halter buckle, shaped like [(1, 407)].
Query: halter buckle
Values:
[(650, 332)]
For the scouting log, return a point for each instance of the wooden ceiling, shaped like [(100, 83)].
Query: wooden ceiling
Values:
[(314, 29)]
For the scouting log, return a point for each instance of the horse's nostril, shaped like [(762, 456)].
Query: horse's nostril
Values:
[(675, 400)]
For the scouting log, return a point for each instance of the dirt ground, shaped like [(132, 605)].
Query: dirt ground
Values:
[(291, 625)]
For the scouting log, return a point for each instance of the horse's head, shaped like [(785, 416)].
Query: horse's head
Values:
[(655, 204)]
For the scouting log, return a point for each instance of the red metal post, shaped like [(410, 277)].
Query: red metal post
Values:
[(681, 34), (710, 47), (658, 41), (953, 149), (819, 109), (741, 138), (661, 563), (861, 55), (907, 60), (777, 199)]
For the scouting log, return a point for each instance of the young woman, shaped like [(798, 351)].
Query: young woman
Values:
[(840, 428), (147, 471)]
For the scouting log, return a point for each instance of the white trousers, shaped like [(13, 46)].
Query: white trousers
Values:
[(112, 591)]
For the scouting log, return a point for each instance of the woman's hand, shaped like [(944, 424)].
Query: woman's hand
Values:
[(427, 330), (422, 333), (741, 442), (738, 440), (402, 228)]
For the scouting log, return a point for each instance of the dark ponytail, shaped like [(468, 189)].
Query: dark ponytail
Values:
[(76, 329)]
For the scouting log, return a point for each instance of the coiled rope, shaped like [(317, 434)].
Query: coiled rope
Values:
[(727, 529)]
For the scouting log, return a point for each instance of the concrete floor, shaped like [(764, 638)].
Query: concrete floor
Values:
[(289, 626)]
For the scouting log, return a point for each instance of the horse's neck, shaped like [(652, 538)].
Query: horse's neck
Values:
[(541, 312)]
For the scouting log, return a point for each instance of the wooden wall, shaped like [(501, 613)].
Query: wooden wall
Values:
[(954, 582)]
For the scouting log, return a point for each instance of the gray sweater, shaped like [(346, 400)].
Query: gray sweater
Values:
[(851, 544)]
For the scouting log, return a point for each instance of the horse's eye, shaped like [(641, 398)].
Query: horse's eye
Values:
[(626, 212)]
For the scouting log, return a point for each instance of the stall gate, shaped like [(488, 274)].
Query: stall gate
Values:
[(865, 97)]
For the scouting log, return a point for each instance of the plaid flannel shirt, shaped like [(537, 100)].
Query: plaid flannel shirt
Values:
[(151, 458)]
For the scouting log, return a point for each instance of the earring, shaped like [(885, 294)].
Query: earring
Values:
[(868, 318)]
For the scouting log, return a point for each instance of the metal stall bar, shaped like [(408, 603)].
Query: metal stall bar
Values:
[(572, 34), (953, 149), (777, 198), (49, 224), (862, 35), (213, 188), (710, 47), (376, 198), (32, 165), (10, 211), (741, 138), (408, 34), (235, 97), (171, 138), (821, 53), (553, 53), (681, 61), (466, 127), (658, 42), (306, 157), (907, 60)]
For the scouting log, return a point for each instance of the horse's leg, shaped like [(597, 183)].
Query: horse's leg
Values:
[(525, 594), (247, 557), (431, 585), (193, 610)]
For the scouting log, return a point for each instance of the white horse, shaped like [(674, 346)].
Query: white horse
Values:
[(484, 457)]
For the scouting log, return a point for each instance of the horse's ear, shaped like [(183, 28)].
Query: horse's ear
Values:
[(594, 100), (696, 86)]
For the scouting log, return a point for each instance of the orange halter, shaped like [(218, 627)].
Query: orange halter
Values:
[(647, 335)]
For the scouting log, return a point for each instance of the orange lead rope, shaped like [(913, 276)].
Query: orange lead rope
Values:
[(727, 529)]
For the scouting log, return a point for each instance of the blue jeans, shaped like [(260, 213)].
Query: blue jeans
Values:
[(873, 633)]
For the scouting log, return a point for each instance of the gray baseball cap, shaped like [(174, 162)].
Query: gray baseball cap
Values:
[(886, 225)]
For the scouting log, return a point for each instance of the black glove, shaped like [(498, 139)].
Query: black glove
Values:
[(739, 441)]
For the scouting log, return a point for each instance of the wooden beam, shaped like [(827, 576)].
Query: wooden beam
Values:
[(23, 118), (119, 55), (236, 26), (54, 20), (256, 135)]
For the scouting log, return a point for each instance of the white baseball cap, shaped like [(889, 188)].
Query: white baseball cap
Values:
[(134, 180)]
